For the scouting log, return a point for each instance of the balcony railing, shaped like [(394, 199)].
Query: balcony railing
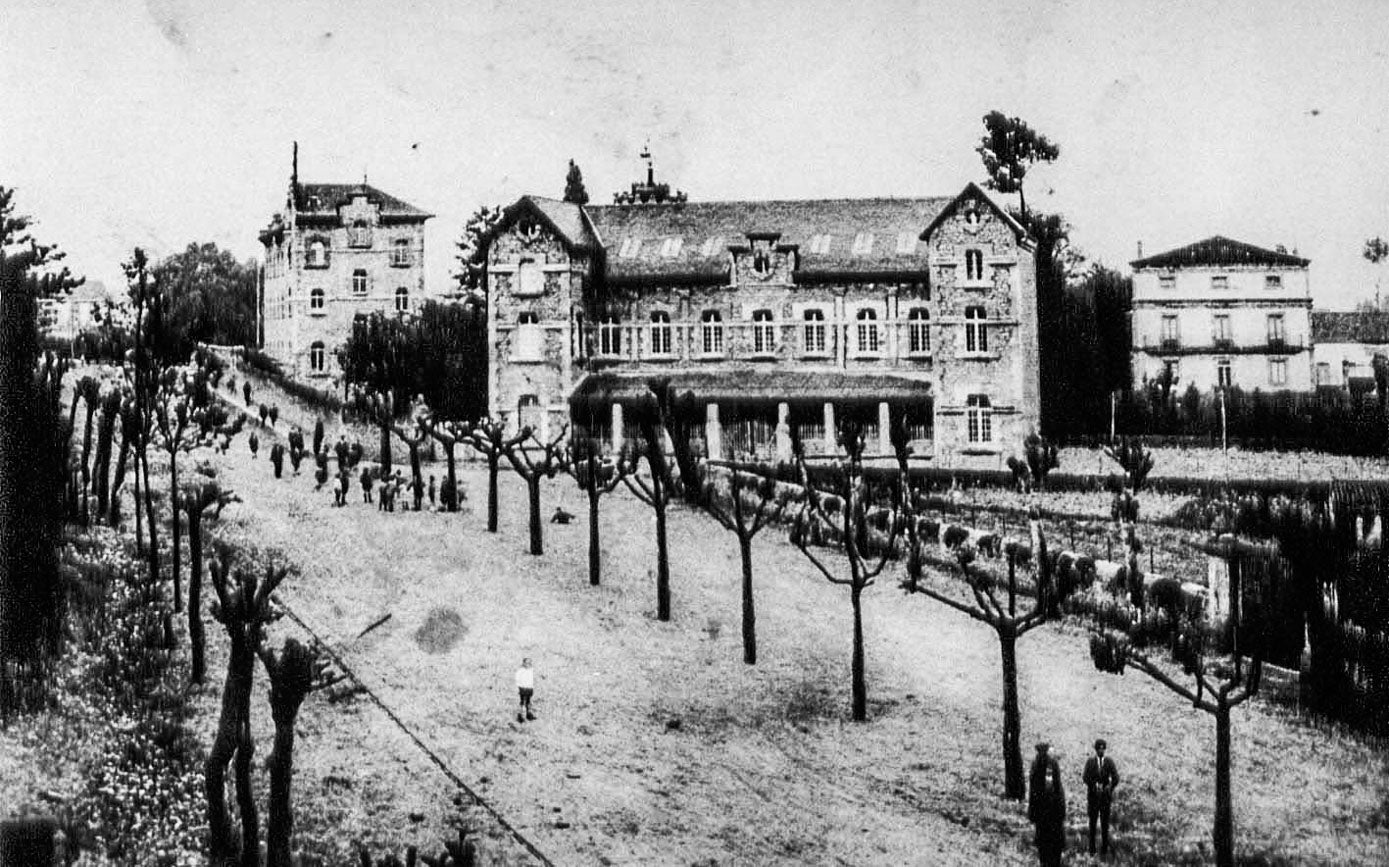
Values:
[(1223, 346)]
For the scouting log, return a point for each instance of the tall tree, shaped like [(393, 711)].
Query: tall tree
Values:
[(574, 185), (1008, 149), (33, 444), (534, 460), (211, 297), (839, 500), (472, 250), (596, 477), (489, 439)]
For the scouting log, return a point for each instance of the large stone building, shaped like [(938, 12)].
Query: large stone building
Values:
[(337, 251), (1223, 313), (775, 315)]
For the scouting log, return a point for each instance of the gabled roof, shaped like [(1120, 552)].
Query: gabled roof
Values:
[(1332, 326), (324, 199), (707, 229), (972, 190), (1219, 250), (565, 219)]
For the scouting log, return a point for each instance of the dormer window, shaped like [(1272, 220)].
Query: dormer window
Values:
[(671, 247), (359, 234), (761, 261), (820, 244), (906, 242), (629, 249), (401, 255), (863, 244)]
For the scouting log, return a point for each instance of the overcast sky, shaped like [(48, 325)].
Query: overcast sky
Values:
[(163, 122)]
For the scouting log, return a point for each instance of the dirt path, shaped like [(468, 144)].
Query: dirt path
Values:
[(763, 766)]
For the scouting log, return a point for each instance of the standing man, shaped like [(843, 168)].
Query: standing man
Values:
[(1046, 806), (525, 685), (1101, 776)]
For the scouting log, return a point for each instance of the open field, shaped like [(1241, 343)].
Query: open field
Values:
[(655, 744)]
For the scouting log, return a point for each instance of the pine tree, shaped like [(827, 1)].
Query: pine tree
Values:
[(574, 186)]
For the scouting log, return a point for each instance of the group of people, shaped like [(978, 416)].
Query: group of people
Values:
[(392, 489), (1046, 801)]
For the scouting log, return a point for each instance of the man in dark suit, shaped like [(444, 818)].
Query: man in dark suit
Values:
[(1101, 776)]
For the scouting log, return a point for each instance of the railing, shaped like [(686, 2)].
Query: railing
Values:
[(1223, 346)]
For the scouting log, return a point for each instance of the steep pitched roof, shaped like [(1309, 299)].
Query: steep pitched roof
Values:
[(564, 218), (324, 199), (1332, 326), (972, 190), (636, 236), (1219, 250)]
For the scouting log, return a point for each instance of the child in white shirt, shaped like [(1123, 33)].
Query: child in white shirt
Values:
[(525, 685)]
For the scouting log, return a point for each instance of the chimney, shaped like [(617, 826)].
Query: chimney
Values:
[(1140, 249)]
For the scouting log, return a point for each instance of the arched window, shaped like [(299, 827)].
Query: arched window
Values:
[(359, 281), (400, 253), (711, 332), (359, 234), (918, 330), (317, 255), (979, 418), (660, 333), (974, 265), (976, 333), (814, 331), (316, 357), (402, 300), (316, 300), (610, 336), (869, 339), (529, 338), (763, 332)]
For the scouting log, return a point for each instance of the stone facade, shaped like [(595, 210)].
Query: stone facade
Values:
[(337, 252), (1223, 313), (773, 315)]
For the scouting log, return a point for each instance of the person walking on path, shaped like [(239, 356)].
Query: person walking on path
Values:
[(525, 685), (1101, 776), (1046, 806), (254, 442), (366, 485)]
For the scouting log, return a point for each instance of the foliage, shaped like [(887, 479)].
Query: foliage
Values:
[(472, 251), (209, 296), (1039, 459), (574, 185), (439, 355), (1008, 149), (270, 369)]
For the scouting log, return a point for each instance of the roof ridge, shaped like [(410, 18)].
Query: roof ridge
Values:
[(687, 204)]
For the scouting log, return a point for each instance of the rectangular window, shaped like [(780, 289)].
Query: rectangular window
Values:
[(979, 418), (763, 333), (906, 242), (610, 337), (1275, 328), (1220, 283), (820, 244), (814, 332), (711, 333), (974, 265), (976, 333), (401, 253), (1222, 328), (660, 333), (1170, 335), (529, 338), (918, 331), (1167, 281), (1222, 373), (1323, 373), (863, 244), (869, 338), (1278, 371), (1273, 281)]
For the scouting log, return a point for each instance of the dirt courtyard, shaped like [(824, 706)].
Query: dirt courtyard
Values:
[(655, 744)]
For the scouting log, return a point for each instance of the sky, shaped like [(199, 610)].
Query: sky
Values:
[(157, 123)]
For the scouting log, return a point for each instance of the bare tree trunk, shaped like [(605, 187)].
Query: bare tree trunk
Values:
[(385, 447), (113, 506), (451, 498), (860, 681), (236, 707), (749, 612), (139, 502), (280, 814), (493, 468), (595, 555), (174, 526), (662, 553), (245, 798), (537, 530), (1224, 813), (149, 520), (196, 639), (1015, 786)]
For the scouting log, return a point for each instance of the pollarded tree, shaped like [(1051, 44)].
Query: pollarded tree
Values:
[(173, 417), (105, 436), (1136, 462), (90, 391), (489, 439), (655, 489), (535, 460), (243, 608), (448, 434), (596, 476), (1009, 625), (1009, 148), (1217, 685), (1039, 458), (295, 672), (201, 493), (752, 503), (838, 499), (379, 408)]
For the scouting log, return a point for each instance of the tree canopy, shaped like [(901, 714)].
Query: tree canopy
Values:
[(1009, 148), (206, 296), (472, 250), (574, 186)]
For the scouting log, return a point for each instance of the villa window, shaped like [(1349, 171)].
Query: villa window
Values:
[(400, 253), (316, 357), (1171, 337), (402, 300), (1222, 328), (1273, 281), (359, 281), (316, 301), (316, 256), (976, 332), (1278, 371), (530, 278), (763, 332), (711, 332), (529, 338), (359, 234), (660, 333), (974, 265), (814, 331), (869, 337), (1276, 333), (1223, 375), (610, 336), (1167, 281), (918, 330), (529, 414), (979, 419), (1220, 282)]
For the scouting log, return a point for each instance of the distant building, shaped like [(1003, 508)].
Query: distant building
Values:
[(1344, 346), (81, 309), (779, 316), (1221, 312), (337, 251)]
